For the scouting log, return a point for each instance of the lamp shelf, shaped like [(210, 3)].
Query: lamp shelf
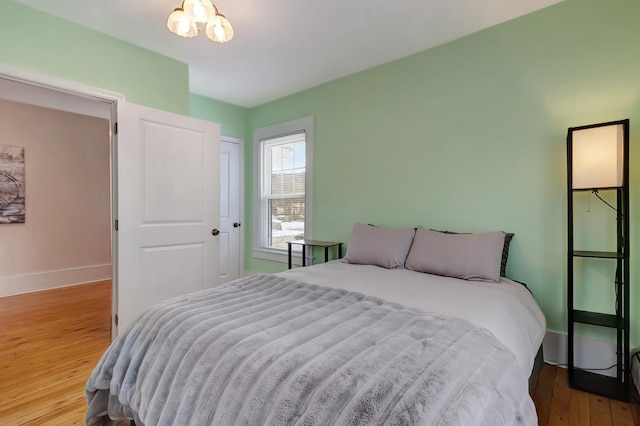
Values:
[(596, 318), (599, 254), (603, 188)]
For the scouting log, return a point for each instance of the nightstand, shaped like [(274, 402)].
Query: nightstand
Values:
[(314, 243)]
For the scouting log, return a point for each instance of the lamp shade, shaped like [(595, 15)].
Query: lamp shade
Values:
[(199, 10), (597, 157), (219, 29), (179, 23)]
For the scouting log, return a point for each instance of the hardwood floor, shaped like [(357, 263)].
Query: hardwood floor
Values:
[(50, 341), (558, 404)]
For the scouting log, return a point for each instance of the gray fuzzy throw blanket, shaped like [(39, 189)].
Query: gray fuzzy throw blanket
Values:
[(265, 350)]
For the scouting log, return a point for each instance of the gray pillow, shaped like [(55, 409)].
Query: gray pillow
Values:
[(508, 236), (466, 256), (372, 245)]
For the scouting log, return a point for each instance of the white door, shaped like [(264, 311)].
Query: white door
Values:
[(168, 205), (230, 211)]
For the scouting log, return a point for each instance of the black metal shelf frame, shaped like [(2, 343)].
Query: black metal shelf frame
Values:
[(617, 387), (599, 254)]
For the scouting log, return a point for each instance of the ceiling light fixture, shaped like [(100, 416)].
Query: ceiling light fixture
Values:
[(184, 21)]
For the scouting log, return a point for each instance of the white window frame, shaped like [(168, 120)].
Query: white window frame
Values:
[(260, 216)]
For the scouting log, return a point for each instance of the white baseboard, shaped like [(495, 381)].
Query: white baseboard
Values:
[(46, 280), (593, 355)]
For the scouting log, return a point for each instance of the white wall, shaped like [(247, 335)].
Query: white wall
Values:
[(66, 238)]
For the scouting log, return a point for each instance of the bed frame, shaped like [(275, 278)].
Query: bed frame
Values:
[(538, 363)]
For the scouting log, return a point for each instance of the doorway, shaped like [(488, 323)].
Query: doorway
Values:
[(231, 209), (66, 235), (59, 94)]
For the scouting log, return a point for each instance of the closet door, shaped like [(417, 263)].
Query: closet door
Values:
[(230, 210), (167, 208)]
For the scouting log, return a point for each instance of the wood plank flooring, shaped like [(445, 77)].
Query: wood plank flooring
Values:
[(50, 341), (559, 405)]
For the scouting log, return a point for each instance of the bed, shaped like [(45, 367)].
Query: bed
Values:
[(370, 339)]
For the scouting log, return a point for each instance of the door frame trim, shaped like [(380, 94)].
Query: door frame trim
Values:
[(59, 84), (69, 87)]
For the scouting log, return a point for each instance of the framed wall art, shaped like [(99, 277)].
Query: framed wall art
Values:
[(12, 194)]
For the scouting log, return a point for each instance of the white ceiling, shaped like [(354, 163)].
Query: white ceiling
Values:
[(285, 46)]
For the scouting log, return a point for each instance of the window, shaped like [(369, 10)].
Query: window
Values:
[(282, 201)]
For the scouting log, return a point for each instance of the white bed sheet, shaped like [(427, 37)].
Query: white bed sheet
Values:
[(506, 308)]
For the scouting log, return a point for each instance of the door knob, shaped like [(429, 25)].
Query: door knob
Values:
[(215, 232), (236, 224)]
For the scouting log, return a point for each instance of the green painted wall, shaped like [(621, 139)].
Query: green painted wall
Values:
[(232, 118), (470, 136), (40, 42)]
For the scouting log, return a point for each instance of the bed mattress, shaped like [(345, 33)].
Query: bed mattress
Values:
[(506, 308)]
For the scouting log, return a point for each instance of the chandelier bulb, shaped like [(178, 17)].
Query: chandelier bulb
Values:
[(199, 10), (184, 21), (219, 29), (180, 24)]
